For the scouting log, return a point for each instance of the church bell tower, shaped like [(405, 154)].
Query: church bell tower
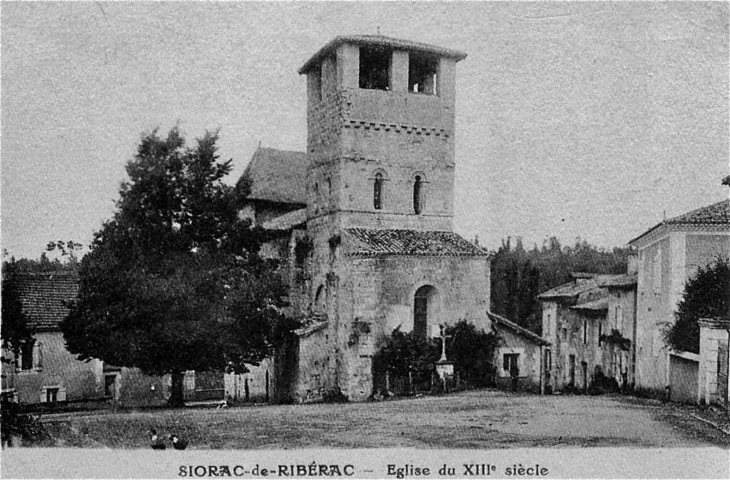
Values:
[(380, 208), (380, 143)]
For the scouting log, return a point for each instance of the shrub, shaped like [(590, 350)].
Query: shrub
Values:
[(706, 295), (18, 424), (603, 384)]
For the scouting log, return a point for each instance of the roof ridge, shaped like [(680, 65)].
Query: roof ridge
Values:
[(677, 218), (48, 273), (723, 218), (519, 328), (382, 40)]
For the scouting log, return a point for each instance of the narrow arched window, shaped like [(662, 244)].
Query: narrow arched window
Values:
[(319, 301), (417, 195), (378, 191), (423, 306), (329, 194)]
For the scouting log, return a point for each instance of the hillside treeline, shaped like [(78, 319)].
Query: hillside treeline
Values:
[(520, 275)]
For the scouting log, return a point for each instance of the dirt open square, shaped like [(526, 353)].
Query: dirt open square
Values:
[(484, 419)]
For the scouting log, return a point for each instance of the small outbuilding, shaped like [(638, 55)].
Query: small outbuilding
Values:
[(522, 352)]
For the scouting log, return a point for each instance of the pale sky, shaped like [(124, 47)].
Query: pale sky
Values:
[(573, 119)]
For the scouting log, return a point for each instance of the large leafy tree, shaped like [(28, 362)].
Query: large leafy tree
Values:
[(173, 281), (472, 351), (706, 295), (15, 329)]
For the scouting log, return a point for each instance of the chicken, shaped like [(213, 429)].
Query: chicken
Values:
[(178, 443), (156, 442)]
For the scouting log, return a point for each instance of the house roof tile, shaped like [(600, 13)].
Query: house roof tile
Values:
[(384, 41), (626, 280), (45, 297), (370, 242), (287, 221), (277, 176), (711, 215), (584, 283), (717, 213), (311, 327), (517, 329), (598, 305)]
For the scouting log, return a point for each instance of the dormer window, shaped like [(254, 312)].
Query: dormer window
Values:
[(422, 73), (375, 68)]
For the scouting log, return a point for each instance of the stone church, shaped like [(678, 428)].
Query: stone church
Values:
[(364, 218)]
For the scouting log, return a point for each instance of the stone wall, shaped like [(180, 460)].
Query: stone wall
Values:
[(529, 360), (621, 316), (353, 132), (652, 312), (683, 377), (380, 297), (55, 367), (136, 389), (666, 262), (255, 386), (704, 249), (714, 337), (316, 367), (570, 340)]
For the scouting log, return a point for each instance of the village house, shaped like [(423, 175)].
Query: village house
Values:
[(668, 255), (45, 372), (366, 216), (589, 323), (526, 349)]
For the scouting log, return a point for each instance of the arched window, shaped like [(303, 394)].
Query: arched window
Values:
[(329, 194), (378, 191), (418, 195), (316, 198), (319, 301), (423, 307)]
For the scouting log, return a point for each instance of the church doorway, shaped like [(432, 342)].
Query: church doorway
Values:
[(424, 307)]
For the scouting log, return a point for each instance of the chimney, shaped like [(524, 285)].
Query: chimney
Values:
[(633, 263)]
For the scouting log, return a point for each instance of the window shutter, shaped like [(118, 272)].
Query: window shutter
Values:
[(37, 356)]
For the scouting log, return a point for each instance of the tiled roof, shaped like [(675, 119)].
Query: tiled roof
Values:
[(711, 215), (583, 284), (717, 213), (624, 280), (381, 40), (287, 221), (369, 242), (599, 305), (314, 325), (44, 297), (277, 176), (516, 328)]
